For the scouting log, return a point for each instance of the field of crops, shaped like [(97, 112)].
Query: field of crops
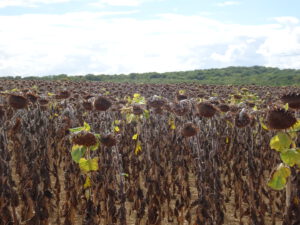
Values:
[(138, 154)]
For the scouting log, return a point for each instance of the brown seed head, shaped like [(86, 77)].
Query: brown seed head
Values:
[(224, 108), (84, 138), (43, 101), (2, 112), (242, 119), (137, 109), (63, 95), (17, 101), (102, 104), (280, 119), (180, 97), (108, 140), (206, 109), (181, 108), (32, 97), (292, 99), (87, 105), (156, 102), (189, 130)]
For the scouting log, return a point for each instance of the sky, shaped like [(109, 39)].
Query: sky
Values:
[(78, 37)]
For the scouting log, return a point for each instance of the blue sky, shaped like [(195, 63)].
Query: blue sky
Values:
[(41, 37)]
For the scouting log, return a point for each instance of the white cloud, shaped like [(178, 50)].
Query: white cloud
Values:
[(84, 42), (120, 2), (228, 3), (28, 3), (134, 3)]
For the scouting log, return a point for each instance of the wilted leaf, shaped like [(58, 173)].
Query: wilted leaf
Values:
[(138, 148), (172, 124), (88, 165), (281, 142), (134, 137), (227, 140), (181, 92), (116, 129), (87, 183), (286, 106), (295, 127), (264, 126), (136, 95)]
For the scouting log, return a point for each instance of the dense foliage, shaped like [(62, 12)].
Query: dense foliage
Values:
[(257, 75)]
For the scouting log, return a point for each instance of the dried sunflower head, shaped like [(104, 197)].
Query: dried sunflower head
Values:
[(17, 101), (2, 112), (108, 140), (189, 130), (63, 95), (87, 105), (137, 109), (280, 119), (293, 99), (102, 104), (156, 102), (206, 109), (242, 119), (224, 107), (84, 138), (32, 97), (181, 108)]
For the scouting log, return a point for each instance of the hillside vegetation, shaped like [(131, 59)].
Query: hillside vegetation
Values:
[(257, 75)]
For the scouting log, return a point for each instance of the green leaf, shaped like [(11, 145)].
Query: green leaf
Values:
[(88, 165), (281, 142), (77, 152), (137, 98), (95, 147), (87, 183), (129, 118), (290, 157), (117, 122), (76, 129), (86, 126), (125, 174), (146, 114), (279, 178)]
